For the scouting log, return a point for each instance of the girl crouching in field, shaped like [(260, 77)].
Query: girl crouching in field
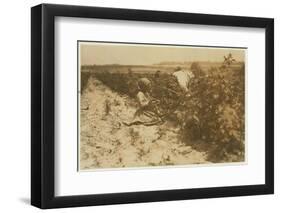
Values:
[(147, 114)]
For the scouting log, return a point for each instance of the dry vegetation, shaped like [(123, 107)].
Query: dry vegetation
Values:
[(202, 126)]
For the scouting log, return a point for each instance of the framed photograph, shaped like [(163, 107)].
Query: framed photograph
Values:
[(139, 106)]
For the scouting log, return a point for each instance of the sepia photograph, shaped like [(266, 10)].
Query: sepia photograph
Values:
[(159, 105), (135, 105)]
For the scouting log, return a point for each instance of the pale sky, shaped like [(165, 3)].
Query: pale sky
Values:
[(136, 54)]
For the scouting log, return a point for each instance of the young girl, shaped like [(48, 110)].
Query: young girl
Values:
[(147, 114)]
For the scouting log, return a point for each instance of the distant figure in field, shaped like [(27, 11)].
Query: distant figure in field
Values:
[(147, 114), (183, 77)]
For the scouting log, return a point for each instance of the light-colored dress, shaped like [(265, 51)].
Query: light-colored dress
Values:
[(183, 77)]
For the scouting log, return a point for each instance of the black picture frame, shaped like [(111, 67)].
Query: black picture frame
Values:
[(43, 105)]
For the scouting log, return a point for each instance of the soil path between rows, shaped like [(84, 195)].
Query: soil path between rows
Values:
[(106, 143)]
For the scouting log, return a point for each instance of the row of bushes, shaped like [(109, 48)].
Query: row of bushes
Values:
[(217, 100), (211, 113)]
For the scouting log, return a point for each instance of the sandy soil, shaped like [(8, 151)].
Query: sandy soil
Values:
[(106, 143)]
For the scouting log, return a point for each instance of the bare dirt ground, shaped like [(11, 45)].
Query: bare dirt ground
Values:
[(106, 143)]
